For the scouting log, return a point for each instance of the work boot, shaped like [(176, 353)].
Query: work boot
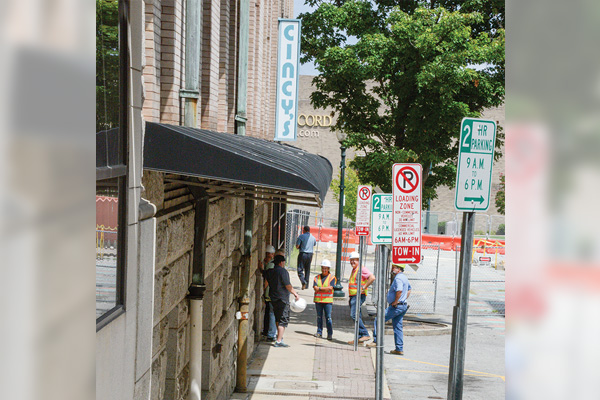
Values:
[(398, 353)]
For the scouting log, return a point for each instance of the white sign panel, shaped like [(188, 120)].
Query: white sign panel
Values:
[(381, 219), (406, 215), (363, 210), (288, 56), (475, 160)]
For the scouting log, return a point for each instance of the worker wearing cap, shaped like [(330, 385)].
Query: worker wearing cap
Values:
[(323, 287), (396, 298), (279, 291), (269, 327), (367, 279)]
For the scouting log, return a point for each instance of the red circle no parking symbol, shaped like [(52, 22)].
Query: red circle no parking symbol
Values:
[(407, 179), (364, 193)]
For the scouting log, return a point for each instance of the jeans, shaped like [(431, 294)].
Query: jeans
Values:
[(327, 308), (362, 330), (396, 314), (304, 260), (269, 329)]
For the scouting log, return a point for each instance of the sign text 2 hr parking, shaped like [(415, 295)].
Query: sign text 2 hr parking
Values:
[(475, 161)]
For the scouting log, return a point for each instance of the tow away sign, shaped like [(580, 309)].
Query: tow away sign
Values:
[(475, 160), (406, 215), (363, 210)]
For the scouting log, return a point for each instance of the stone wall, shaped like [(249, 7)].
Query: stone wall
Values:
[(170, 346), (222, 276)]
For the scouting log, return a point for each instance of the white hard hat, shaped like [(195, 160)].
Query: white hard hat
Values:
[(354, 254), (326, 263), (297, 306), (270, 249)]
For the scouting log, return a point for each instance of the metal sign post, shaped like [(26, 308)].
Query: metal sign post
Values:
[(460, 312), (473, 182), (383, 257), (358, 297)]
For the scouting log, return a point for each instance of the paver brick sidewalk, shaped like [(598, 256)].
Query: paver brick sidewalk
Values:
[(313, 368)]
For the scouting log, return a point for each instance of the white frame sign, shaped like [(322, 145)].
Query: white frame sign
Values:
[(406, 219), (288, 59), (363, 210)]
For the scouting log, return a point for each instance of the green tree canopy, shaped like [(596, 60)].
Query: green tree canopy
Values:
[(350, 192), (401, 75), (107, 64), (500, 195)]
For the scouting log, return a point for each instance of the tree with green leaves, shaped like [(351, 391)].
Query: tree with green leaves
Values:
[(500, 194), (107, 64), (350, 192), (401, 75)]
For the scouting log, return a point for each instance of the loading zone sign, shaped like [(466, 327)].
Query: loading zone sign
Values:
[(381, 219), (475, 160), (406, 213), (363, 210)]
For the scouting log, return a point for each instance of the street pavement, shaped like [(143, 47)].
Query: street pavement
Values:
[(313, 368), (422, 373)]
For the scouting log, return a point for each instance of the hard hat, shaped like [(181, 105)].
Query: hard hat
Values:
[(297, 306), (354, 254), (326, 263), (401, 266), (270, 249)]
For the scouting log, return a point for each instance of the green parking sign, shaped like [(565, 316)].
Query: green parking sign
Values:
[(381, 219), (475, 161)]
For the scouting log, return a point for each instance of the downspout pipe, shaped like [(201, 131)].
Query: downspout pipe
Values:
[(240, 129), (242, 94), (193, 40), (196, 290), (244, 299), (190, 94)]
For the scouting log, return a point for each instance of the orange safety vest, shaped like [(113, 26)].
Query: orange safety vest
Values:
[(352, 287), (322, 297)]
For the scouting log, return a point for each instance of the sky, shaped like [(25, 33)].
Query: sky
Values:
[(300, 7)]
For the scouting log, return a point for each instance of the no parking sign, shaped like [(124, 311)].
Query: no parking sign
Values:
[(363, 210), (406, 214)]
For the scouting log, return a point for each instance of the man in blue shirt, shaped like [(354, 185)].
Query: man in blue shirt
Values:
[(396, 298), (305, 243)]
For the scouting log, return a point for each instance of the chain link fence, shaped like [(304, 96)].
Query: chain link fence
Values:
[(435, 280)]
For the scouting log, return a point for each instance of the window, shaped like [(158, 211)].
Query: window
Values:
[(111, 157), (278, 225)]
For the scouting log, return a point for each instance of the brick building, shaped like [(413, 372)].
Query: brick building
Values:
[(196, 207)]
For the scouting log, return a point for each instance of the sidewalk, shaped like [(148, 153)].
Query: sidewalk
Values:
[(312, 368)]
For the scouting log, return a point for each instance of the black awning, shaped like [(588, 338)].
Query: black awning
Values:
[(220, 157)]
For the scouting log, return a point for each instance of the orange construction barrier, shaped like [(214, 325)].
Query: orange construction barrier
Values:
[(448, 243)]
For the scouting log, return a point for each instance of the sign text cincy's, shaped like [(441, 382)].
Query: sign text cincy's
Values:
[(287, 79)]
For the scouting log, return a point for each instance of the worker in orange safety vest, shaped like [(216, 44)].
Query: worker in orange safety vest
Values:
[(367, 279), (323, 285)]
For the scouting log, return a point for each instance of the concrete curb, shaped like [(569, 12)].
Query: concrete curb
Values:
[(413, 326), (386, 388), (429, 328)]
